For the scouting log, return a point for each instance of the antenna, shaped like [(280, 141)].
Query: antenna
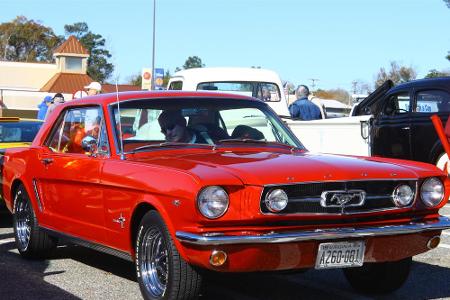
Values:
[(122, 156)]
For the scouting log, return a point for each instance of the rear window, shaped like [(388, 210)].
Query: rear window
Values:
[(19, 131), (266, 91)]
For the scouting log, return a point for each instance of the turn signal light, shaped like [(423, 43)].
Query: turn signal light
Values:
[(218, 258), (434, 242)]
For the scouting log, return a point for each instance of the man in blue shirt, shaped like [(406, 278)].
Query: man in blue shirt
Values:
[(302, 108)]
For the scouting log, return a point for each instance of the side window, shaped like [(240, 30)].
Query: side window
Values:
[(268, 92), (176, 85), (77, 124), (397, 104), (432, 101)]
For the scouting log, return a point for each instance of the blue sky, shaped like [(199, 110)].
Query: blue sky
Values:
[(336, 42)]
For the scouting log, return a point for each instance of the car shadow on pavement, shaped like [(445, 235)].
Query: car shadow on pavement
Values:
[(427, 282), (25, 279), (99, 260)]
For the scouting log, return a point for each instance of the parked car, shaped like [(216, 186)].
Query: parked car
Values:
[(17, 132), (248, 198), (393, 121)]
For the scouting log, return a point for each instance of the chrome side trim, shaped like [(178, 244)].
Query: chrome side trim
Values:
[(88, 244), (36, 193), (210, 239)]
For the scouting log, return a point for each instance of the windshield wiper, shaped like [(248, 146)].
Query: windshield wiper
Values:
[(169, 144), (253, 141)]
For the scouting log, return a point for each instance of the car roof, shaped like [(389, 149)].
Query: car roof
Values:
[(136, 95), (438, 81)]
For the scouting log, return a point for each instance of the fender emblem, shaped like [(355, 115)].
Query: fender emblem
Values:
[(121, 220)]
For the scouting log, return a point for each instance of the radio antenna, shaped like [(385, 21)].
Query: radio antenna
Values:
[(122, 155)]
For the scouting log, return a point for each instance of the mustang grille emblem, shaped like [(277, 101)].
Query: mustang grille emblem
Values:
[(342, 199)]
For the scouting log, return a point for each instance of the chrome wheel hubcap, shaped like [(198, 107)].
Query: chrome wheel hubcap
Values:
[(154, 263), (23, 222)]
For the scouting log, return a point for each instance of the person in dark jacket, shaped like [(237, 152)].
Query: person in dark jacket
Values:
[(302, 108)]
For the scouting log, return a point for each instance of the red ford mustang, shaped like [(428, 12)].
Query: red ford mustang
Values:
[(180, 182)]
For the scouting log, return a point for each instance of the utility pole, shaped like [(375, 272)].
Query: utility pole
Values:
[(354, 83), (152, 86), (313, 83)]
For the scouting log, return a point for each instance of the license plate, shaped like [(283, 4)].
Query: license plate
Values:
[(340, 255)]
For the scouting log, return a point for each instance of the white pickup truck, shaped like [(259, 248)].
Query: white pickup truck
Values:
[(324, 135), (392, 121)]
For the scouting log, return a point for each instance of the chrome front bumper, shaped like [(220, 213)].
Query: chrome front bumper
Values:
[(210, 239)]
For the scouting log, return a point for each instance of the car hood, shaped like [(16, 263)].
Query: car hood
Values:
[(263, 168)]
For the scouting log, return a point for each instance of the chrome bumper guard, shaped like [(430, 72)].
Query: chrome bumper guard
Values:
[(211, 239)]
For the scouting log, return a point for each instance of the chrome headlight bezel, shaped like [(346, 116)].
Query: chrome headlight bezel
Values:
[(213, 202), (276, 200), (432, 192), (403, 195)]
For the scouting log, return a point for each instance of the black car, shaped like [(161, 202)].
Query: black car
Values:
[(401, 126)]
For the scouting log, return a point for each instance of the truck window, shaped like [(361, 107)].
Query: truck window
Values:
[(266, 91), (397, 104), (432, 101), (176, 85)]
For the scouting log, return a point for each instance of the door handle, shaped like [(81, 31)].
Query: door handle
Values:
[(406, 128), (47, 161)]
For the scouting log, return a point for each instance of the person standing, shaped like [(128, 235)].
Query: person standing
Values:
[(2, 106), (43, 107), (56, 100), (302, 107), (94, 88)]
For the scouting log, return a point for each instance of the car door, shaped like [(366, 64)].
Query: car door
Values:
[(425, 143), (68, 180), (391, 128)]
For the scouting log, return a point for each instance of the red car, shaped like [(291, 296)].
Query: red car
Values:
[(215, 181)]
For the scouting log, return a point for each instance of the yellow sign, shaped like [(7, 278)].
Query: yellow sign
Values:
[(146, 78)]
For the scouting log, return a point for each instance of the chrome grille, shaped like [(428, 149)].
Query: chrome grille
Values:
[(305, 198)]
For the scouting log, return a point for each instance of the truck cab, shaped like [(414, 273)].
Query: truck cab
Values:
[(259, 83)]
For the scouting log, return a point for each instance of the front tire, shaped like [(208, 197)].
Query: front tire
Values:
[(31, 241), (161, 271), (379, 278), (442, 162)]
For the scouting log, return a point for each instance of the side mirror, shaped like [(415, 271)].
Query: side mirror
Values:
[(89, 144)]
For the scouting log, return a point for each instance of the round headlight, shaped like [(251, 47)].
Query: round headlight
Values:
[(213, 202), (276, 200), (432, 191), (403, 195)]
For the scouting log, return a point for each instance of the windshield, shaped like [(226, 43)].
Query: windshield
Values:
[(19, 131), (151, 123)]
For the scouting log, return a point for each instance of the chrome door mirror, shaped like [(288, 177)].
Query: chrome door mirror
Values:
[(89, 144)]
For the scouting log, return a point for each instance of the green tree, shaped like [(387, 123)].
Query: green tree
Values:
[(192, 62), (135, 79), (99, 68), (27, 41), (397, 74), (435, 73), (166, 78)]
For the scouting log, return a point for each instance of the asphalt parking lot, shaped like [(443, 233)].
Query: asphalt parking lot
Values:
[(75, 272)]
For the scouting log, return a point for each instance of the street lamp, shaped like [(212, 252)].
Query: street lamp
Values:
[(152, 86)]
